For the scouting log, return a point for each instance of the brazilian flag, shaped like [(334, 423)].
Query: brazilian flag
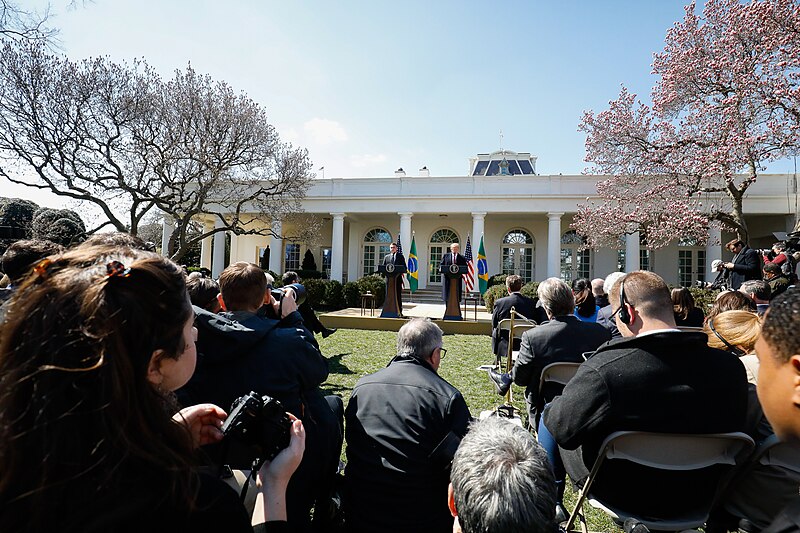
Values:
[(483, 269), (413, 267)]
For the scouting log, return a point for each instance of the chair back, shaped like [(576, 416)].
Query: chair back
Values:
[(559, 373), (689, 328), (670, 452)]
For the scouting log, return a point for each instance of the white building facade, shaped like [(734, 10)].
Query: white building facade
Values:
[(524, 219)]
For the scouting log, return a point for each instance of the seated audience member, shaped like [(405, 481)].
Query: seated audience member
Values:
[(96, 340), (203, 292), (585, 307), (242, 352), (563, 339), (605, 316), (404, 424), (502, 309), (306, 311), (686, 314), (736, 332), (501, 481), (600, 295), (777, 280), (778, 350), (758, 290), (656, 378), (731, 301), (20, 257)]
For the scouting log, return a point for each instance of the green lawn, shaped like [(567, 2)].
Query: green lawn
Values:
[(355, 353)]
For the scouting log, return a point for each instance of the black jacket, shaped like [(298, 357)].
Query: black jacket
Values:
[(746, 266), (280, 359), (502, 309), (562, 339), (669, 382), (403, 425)]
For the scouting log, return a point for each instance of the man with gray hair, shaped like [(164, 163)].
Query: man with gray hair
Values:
[(605, 316), (403, 426), (501, 481), (759, 291)]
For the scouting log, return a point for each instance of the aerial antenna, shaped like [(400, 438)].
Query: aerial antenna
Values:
[(501, 141)]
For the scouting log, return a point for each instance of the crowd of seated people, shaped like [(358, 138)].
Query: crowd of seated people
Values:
[(114, 389)]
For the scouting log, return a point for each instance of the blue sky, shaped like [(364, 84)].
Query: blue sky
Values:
[(369, 87)]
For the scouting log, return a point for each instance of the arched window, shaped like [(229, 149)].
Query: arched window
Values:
[(517, 254), (439, 244), (645, 255), (575, 262), (376, 245), (691, 262)]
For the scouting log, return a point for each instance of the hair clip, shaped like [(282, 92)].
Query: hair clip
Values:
[(42, 268), (117, 269)]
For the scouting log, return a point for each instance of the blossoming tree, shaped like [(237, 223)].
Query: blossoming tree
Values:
[(727, 102)]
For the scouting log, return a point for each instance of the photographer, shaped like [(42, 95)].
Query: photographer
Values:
[(241, 351), (745, 265), (306, 311), (95, 340)]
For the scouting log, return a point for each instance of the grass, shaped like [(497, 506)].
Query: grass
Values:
[(355, 353)]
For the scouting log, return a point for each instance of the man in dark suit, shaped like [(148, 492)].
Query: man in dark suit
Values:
[(395, 257), (745, 265), (502, 309), (451, 258)]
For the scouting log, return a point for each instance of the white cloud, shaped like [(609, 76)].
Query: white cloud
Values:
[(366, 160), (324, 131)]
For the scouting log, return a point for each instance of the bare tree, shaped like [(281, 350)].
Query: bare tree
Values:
[(123, 139), (17, 23)]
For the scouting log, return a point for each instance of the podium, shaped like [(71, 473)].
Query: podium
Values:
[(391, 305), (453, 275)]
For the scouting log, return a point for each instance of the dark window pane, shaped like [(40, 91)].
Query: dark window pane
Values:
[(494, 168), (525, 166), (480, 168), (513, 168)]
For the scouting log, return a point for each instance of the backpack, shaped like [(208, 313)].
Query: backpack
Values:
[(788, 267)]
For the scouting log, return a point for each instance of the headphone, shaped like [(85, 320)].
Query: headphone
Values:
[(624, 315), (731, 348)]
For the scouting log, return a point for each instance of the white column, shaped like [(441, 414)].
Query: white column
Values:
[(276, 248), (353, 252), (554, 244), (713, 250), (218, 260), (632, 252), (167, 227), (405, 232), (234, 248), (477, 233), (205, 248), (337, 246)]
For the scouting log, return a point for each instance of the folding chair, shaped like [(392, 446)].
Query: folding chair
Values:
[(764, 484), (664, 451), (515, 330)]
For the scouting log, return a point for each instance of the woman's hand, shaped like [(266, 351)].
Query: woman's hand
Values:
[(274, 477), (203, 422)]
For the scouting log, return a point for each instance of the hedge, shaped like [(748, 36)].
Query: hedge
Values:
[(498, 291)]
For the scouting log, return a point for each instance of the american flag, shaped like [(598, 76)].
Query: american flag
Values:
[(469, 278), (399, 245)]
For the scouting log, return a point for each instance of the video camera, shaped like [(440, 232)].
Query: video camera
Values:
[(299, 292), (260, 422)]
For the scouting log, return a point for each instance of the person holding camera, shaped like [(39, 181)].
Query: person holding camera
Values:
[(745, 265), (306, 311), (242, 351), (95, 341)]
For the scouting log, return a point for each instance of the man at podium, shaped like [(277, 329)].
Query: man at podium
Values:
[(452, 258), (395, 257)]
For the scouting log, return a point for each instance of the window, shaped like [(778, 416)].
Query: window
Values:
[(376, 245), (516, 254), (325, 253), (691, 262), (291, 258), (575, 262), (439, 244)]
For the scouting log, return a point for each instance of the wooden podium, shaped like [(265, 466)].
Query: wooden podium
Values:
[(453, 275), (391, 305)]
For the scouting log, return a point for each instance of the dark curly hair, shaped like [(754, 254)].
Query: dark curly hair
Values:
[(781, 324)]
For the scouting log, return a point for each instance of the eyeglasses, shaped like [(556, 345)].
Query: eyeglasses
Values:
[(442, 352)]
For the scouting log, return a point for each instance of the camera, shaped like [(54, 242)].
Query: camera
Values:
[(260, 422), (299, 292)]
